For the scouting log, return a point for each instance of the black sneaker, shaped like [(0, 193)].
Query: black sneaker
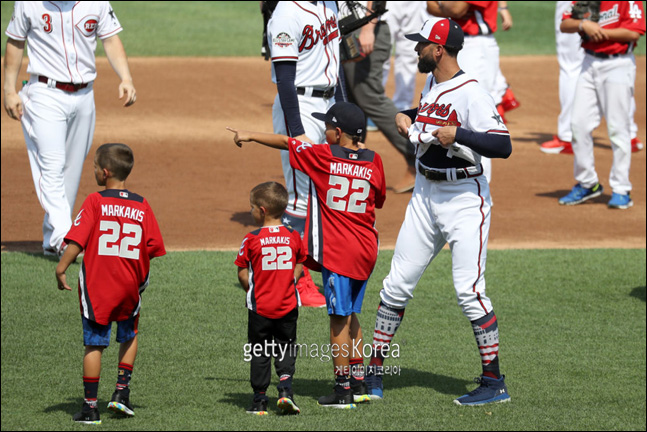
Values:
[(259, 407), (286, 402), (360, 392), (120, 403), (337, 399), (87, 415)]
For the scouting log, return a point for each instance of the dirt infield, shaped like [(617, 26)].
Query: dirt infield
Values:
[(197, 181)]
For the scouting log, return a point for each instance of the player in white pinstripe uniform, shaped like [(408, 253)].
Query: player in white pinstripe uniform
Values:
[(56, 105)]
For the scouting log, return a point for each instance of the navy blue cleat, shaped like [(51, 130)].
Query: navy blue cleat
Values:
[(490, 391)]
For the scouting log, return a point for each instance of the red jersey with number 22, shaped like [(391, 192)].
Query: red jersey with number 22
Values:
[(346, 186), (119, 233), (271, 255)]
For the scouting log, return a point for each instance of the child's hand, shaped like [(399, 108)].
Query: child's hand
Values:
[(62, 282), (240, 136)]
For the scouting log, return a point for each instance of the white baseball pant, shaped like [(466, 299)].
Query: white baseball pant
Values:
[(58, 127)]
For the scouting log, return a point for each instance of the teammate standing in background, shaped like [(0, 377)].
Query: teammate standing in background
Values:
[(303, 38), (570, 56), (119, 234), (605, 87), (364, 85), (56, 106), (480, 55), (455, 125), (342, 242), (268, 263)]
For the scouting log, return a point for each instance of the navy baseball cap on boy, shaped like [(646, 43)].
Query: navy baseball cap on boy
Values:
[(441, 31), (346, 116)]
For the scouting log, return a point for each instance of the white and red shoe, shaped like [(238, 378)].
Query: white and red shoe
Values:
[(636, 145), (309, 292), (509, 102), (556, 146)]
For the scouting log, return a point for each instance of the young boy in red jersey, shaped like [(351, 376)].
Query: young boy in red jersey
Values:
[(268, 263), (341, 239), (119, 233)]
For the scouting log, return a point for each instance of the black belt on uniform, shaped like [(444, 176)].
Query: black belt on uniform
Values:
[(601, 55), (438, 174), (326, 94), (68, 87)]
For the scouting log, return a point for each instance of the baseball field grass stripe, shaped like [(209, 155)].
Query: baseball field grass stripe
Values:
[(572, 326), (229, 28)]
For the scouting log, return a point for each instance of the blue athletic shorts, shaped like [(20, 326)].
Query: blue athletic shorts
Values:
[(95, 334), (343, 294)]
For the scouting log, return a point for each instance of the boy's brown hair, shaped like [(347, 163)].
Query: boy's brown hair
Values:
[(272, 196), (117, 158)]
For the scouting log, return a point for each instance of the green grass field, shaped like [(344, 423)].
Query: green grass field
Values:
[(572, 326), (227, 28)]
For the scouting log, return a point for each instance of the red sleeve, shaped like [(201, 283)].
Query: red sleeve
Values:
[(380, 196), (84, 222), (306, 157), (569, 12), (633, 16), (242, 258), (300, 249), (154, 241)]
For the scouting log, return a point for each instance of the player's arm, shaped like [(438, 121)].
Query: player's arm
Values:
[(243, 278), (12, 63), (116, 55), (367, 33), (267, 139), (492, 145), (286, 72), (621, 35), (506, 17), (588, 27), (69, 256), (448, 9), (404, 120)]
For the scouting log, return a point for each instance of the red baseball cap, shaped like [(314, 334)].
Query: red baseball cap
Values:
[(441, 31)]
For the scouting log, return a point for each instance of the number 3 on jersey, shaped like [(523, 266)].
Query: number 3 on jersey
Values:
[(356, 202), (126, 247)]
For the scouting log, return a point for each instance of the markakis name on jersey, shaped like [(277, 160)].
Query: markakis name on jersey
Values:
[(122, 211), (350, 170)]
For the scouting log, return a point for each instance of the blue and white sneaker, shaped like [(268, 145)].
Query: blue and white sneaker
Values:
[(373, 380), (579, 194), (620, 201), (490, 391)]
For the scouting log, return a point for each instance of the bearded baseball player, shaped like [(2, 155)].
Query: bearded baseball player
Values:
[(303, 37), (605, 87), (455, 125), (56, 105)]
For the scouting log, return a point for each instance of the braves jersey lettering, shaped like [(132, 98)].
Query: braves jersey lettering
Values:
[(327, 33), (122, 211)]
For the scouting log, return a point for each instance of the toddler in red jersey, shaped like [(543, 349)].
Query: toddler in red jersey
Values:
[(119, 234), (268, 263), (347, 185)]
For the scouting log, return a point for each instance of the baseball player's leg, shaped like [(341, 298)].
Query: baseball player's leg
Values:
[(44, 126), (570, 56), (406, 58), (585, 118), (615, 100), (78, 141), (364, 81)]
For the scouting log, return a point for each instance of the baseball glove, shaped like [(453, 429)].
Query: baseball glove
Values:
[(586, 10)]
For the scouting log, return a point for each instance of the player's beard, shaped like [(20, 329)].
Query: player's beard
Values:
[(426, 65)]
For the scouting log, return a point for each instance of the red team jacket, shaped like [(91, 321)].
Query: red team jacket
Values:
[(481, 19), (119, 233), (271, 254), (616, 14), (346, 187)]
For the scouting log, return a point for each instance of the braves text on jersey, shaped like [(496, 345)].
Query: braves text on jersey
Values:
[(63, 36), (119, 233), (271, 254), (346, 188), (308, 34)]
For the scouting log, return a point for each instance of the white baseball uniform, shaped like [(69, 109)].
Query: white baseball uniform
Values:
[(605, 87), (58, 101), (570, 56), (455, 207), (403, 17), (307, 34)]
